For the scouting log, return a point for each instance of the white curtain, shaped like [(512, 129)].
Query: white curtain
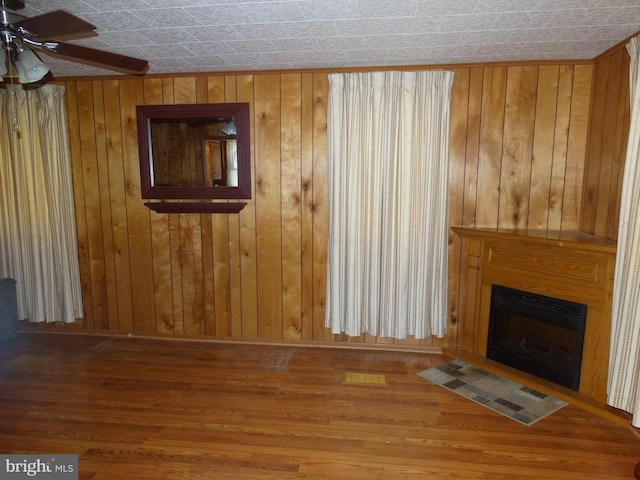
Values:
[(232, 163), (38, 245), (388, 143), (624, 364)]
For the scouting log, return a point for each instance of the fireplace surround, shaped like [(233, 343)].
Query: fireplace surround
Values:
[(572, 266), (537, 334)]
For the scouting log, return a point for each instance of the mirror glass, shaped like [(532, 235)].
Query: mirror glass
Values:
[(194, 151)]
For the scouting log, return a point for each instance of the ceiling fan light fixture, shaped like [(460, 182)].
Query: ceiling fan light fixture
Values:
[(229, 128), (30, 67)]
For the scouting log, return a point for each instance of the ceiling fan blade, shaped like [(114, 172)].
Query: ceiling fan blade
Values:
[(12, 4), (57, 24), (100, 58)]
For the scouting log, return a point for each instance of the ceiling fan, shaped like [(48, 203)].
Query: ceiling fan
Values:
[(21, 37)]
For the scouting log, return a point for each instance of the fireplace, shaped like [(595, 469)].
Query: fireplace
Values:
[(537, 334)]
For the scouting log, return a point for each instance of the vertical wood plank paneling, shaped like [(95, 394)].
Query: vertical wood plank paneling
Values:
[(560, 148), (177, 312), (175, 239), (614, 152), (117, 230), (221, 269), (103, 114), (291, 201), (306, 199), (202, 90), (620, 154), (206, 239), (517, 147), (472, 153), (469, 194), (102, 170), (192, 274), (517, 143), (596, 140), (185, 92), (543, 147), (233, 227), (162, 273), (609, 127), (89, 133), (167, 91), (456, 182), (319, 205), (607, 172), (214, 262), (155, 93), (73, 122), (572, 207), (121, 288), (141, 265), (268, 207), (248, 261), (490, 148), (459, 142), (160, 243), (186, 233)]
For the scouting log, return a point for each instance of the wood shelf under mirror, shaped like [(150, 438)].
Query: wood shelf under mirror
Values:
[(195, 207)]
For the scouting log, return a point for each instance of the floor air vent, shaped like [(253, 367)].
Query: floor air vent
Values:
[(372, 379)]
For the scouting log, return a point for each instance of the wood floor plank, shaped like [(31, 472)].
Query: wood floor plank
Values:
[(141, 409)]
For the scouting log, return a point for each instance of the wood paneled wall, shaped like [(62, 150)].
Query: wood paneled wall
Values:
[(517, 159), (607, 145)]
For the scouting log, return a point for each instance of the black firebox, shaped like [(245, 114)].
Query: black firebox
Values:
[(537, 334)]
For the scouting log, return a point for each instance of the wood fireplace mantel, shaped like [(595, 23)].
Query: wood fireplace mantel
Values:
[(569, 265)]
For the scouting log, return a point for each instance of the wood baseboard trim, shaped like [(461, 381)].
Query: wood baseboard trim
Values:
[(579, 400), (251, 341)]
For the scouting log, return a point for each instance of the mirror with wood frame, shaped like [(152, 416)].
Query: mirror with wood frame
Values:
[(199, 151)]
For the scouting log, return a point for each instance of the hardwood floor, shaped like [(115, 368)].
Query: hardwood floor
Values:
[(155, 409)]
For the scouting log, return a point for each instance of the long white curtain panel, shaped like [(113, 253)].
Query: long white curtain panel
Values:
[(624, 363), (38, 246), (388, 143)]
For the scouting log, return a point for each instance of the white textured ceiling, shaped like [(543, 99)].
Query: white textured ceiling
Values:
[(231, 35)]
